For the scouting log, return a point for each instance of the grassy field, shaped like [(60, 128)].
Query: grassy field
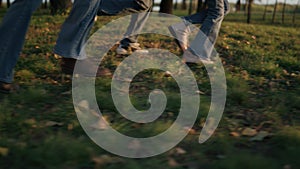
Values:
[(260, 128)]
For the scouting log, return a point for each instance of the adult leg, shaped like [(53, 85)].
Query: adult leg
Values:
[(76, 28), (137, 20), (203, 44), (210, 18), (130, 40), (137, 23), (115, 7), (199, 17), (12, 35)]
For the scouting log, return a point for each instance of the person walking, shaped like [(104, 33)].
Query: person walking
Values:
[(73, 34), (12, 36), (201, 48), (76, 28)]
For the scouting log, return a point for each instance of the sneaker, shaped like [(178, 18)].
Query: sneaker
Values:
[(180, 31), (133, 47), (85, 67), (7, 88), (190, 57)]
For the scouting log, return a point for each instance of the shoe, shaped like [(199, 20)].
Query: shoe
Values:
[(7, 88), (133, 47), (85, 67), (180, 32), (190, 57)]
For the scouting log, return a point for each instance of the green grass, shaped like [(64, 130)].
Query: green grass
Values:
[(39, 127)]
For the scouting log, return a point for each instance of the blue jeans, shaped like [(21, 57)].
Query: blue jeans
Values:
[(211, 20), (76, 28), (12, 35), (137, 23)]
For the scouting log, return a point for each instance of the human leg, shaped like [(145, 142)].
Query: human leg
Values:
[(203, 44), (12, 35), (76, 28), (141, 8), (115, 7), (130, 41)]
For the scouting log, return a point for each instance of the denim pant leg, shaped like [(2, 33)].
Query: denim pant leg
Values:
[(203, 44), (137, 21), (198, 18), (226, 7), (115, 7), (12, 35), (76, 28)]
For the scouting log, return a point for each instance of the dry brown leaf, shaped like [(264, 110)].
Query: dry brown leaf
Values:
[(105, 159), (235, 134), (172, 162), (249, 132), (260, 136), (101, 124), (3, 151), (287, 167), (70, 126), (134, 145), (53, 123)]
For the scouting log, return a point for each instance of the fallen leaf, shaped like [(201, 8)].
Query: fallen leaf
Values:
[(4, 151), (168, 74), (53, 123), (177, 151), (249, 132), (134, 145), (101, 124), (84, 104), (200, 92), (235, 134), (70, 126), (172, 162), (67, 92), (105, 159), (260, 136), (180, 150)]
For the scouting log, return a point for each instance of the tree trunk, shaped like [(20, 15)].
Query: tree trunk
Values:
[(238, 6), (199, 5), (166, 6), (1, 4), (183, 5), (274, 12), (205, 4), (176, 4), (283, 11), (59, 6), (8, 3), (295, 11), (246, 7), (249, 11), (265, 12), (46, 4), (190, 7)]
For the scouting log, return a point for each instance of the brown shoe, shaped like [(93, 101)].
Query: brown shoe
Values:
[(84, 67), (7, 88)]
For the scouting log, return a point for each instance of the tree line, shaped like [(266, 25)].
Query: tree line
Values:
[(167, 6), (56, 6)]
